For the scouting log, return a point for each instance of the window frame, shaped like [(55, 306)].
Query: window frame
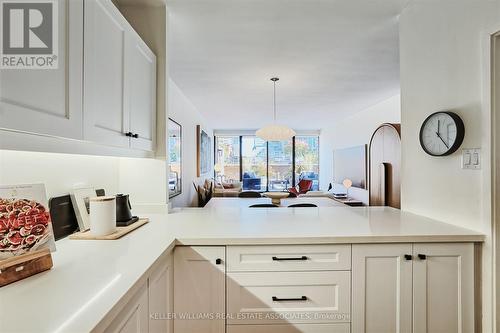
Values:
[(294, 155)]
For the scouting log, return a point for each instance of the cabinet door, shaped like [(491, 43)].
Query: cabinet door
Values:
[(49, 102), (199, 279), (140, 84), (160, 298), (134, 316), (381, 288), (443, 288), (106, 116)]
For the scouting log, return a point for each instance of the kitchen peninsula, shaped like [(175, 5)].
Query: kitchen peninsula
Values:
[(236, 258)]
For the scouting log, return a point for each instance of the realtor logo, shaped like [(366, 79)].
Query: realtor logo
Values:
[(29, 34)]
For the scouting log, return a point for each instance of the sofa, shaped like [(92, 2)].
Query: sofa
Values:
[(232, 189), (251, 182)]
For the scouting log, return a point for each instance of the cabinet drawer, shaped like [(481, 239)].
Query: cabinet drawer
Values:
[(282, 297), (288, 258), (297, 328)]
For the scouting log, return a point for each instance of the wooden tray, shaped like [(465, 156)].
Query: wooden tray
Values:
[(120, 232), (23, 266)]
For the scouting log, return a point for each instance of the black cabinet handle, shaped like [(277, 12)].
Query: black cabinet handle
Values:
[(277, 299), (135, 135), (218, 261), (422, 256), (408, 257), (129, 134), (290, 259)]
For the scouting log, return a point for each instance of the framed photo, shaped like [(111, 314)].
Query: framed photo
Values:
[(80, 200), (203, 154), (25, 224), (174, 158)]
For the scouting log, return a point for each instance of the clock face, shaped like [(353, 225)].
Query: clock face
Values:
[(442, 133)]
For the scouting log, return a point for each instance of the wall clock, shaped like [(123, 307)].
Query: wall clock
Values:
[(442, 133)]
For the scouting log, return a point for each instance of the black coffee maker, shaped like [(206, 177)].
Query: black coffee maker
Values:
[(123, 211)]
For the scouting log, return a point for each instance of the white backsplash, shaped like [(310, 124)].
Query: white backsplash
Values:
[(143, 179)]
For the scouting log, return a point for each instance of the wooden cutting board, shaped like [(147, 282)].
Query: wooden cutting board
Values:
[(120, 232), (22, 266)]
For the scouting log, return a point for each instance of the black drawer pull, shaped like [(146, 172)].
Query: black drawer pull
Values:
[(129, 134), (408, 257), (218, 261), (422, 256), (135, 135), (277, 299), (290, 259)]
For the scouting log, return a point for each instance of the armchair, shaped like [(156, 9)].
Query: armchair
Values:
[(304, 186)]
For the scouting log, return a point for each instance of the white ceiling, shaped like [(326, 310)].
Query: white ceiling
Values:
[(333, 57)]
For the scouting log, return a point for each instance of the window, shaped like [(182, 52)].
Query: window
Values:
[(174, 158), (307, 159), (227, 158), (254, 163), (280, 165), (267, 166)]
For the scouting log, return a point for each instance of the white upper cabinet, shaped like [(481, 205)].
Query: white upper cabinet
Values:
[(106, 115), (49, 101), (119, 81), (103, 92), (140, 84)]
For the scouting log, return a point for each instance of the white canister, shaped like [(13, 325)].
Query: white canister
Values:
[(102, 216)]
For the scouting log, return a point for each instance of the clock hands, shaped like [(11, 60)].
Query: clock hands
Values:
[(439, 136)]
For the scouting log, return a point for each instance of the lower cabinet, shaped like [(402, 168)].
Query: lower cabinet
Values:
[(161, 298), (288, 297), (381, 288), (388, 288), (150, 308), (200, 288), (413, 287), (134, 317), (443, 288), (295, 328)]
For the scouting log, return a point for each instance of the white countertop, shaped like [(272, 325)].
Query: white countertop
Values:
[(90, 277)]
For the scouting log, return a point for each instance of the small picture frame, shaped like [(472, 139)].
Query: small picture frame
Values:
[(80, 200)]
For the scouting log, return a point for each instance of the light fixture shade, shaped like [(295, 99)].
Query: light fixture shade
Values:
[(347, 183), (275, 133)]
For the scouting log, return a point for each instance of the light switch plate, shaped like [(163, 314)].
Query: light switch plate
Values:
[(471, 158)]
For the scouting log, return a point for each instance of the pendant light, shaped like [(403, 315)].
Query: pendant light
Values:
[(275, 132)]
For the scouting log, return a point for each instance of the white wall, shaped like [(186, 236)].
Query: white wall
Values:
[(143, 179), (441, 69), (355, 130), (185, 113)]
